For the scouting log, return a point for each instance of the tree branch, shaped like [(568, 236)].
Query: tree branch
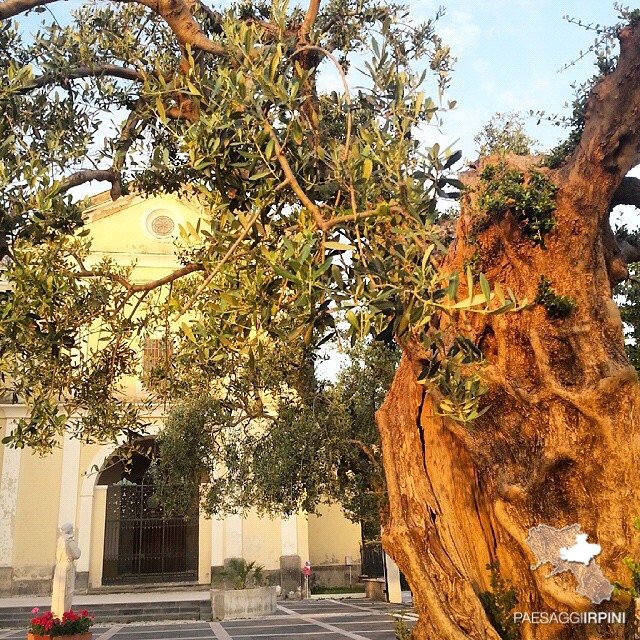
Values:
[(110, 70), (345, 84), (613, 255), (621, 248), (10, 8), (365, 449), (610, 142), (86, 175), (132, 287), (309, 19), (178, 16), (628, 246), (352, 217), (630, 250), (131, 129), (291, 179)]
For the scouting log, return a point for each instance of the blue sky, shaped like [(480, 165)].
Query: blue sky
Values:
[(509, 55)]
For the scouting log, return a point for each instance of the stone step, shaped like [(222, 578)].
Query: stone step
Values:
[(17, 617), (148, 587)]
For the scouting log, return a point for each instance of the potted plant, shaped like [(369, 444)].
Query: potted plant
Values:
[(245, 592), (40, 626), (72, 626), (242, 574)]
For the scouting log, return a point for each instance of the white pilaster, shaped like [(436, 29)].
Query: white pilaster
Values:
[(289, 535), (84, 531), (69, 481), (86, 506), (394, 590), (8, 497), (217, 542), (233, 536)]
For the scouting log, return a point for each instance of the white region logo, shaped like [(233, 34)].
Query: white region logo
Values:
[(582, 551), (568, 549)]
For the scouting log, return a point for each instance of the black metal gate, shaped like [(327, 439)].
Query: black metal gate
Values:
[(373, 563), (141, 544), (372, 559)]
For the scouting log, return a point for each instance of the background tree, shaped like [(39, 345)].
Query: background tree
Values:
[(629, 311), (261, 439), (503, 414), (628, 296), (504, 133)]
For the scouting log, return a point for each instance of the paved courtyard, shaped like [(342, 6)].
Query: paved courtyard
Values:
[(315, 620)]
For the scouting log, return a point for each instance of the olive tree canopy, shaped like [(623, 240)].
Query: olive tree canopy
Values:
[(514, 403)]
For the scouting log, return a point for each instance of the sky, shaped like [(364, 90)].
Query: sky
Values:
[(509, 56), (509, 53)]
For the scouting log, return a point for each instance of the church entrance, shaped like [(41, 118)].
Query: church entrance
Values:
[(142, 543)]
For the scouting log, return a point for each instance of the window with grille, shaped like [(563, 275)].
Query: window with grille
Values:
[(156, 356)]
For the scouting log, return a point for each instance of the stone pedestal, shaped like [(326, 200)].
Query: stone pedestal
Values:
[(290, 574), (82, 582), (374, 589)]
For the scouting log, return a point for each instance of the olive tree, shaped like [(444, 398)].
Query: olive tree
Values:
[(514, 403)]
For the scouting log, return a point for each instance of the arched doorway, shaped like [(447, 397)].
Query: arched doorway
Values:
[(141, 542)]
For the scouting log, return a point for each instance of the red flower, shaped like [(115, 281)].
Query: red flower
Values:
[(70, 615), (84, 613)]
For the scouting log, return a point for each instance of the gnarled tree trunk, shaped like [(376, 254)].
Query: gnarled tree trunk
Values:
[(560, 443)]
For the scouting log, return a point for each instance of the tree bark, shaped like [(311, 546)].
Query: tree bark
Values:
[(560, 443)]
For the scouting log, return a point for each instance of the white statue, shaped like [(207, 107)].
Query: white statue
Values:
[(64, 577)]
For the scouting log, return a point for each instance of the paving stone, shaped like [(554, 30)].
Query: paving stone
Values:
[(295, 620)]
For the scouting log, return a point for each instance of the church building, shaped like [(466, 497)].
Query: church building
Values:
[(123, 535)]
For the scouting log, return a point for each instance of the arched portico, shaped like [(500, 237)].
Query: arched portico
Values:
[(92, 507), (143, 543)]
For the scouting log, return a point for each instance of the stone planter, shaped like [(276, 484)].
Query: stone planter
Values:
[(234, 604), (33, 636)]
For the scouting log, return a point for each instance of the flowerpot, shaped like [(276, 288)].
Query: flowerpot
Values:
[(33, 636)]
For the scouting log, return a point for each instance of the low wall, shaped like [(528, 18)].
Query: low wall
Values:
[(334, 575), (327, 575), (32, 582)]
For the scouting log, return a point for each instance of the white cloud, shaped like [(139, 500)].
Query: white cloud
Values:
[(460, 31)]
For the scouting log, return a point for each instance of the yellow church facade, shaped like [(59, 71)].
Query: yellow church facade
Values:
[(122, 535)]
